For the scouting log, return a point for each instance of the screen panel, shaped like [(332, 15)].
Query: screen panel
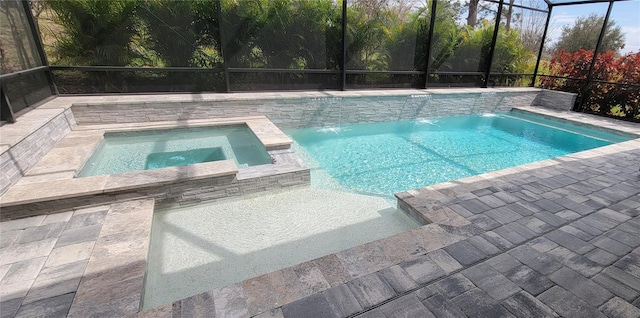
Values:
[(19, 51)]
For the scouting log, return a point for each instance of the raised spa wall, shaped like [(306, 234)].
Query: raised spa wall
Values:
[(51, 186), (24, 143), (311, 109)]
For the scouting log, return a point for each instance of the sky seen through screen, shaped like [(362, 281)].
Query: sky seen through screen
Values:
[(625, 14)]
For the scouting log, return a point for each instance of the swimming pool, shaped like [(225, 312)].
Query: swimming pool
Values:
[(258, 234), (390, 157), (152, 149)]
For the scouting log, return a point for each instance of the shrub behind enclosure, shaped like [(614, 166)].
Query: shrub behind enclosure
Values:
[(619, 100)]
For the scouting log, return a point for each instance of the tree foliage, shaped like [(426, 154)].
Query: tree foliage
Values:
[(170, 27), (281, 33), (599, 97), (584, 33), (96, 32), (381, 35)]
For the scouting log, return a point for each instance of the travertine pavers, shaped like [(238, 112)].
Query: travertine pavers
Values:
[(46, 270)]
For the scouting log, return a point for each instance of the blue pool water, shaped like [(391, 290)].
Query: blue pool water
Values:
[(385, 158), (145, 150)]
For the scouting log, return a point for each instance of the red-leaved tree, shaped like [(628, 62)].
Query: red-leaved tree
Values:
[(620, 100)]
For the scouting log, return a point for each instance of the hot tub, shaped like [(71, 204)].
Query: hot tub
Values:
[(121, 152)]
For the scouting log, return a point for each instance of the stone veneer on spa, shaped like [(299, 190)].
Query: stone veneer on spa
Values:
[(37, 133), (50, 185)]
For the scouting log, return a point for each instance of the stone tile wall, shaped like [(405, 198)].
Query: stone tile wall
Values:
[(17, 159), (302, 112), (178, 193), (555, 100)]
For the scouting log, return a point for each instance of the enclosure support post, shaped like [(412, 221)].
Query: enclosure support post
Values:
[(544, 37), (343, 63), (33, 27), (5, 108), (432, 23), (578, 106), (223, 50), (493, 45)]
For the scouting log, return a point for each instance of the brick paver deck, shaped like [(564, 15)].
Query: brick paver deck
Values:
[(557, 241)]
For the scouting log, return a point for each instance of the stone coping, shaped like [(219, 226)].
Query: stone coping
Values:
[(53, 177), (268, 133), (26, 193), (619, 127), (191, 98), (12, 134)]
